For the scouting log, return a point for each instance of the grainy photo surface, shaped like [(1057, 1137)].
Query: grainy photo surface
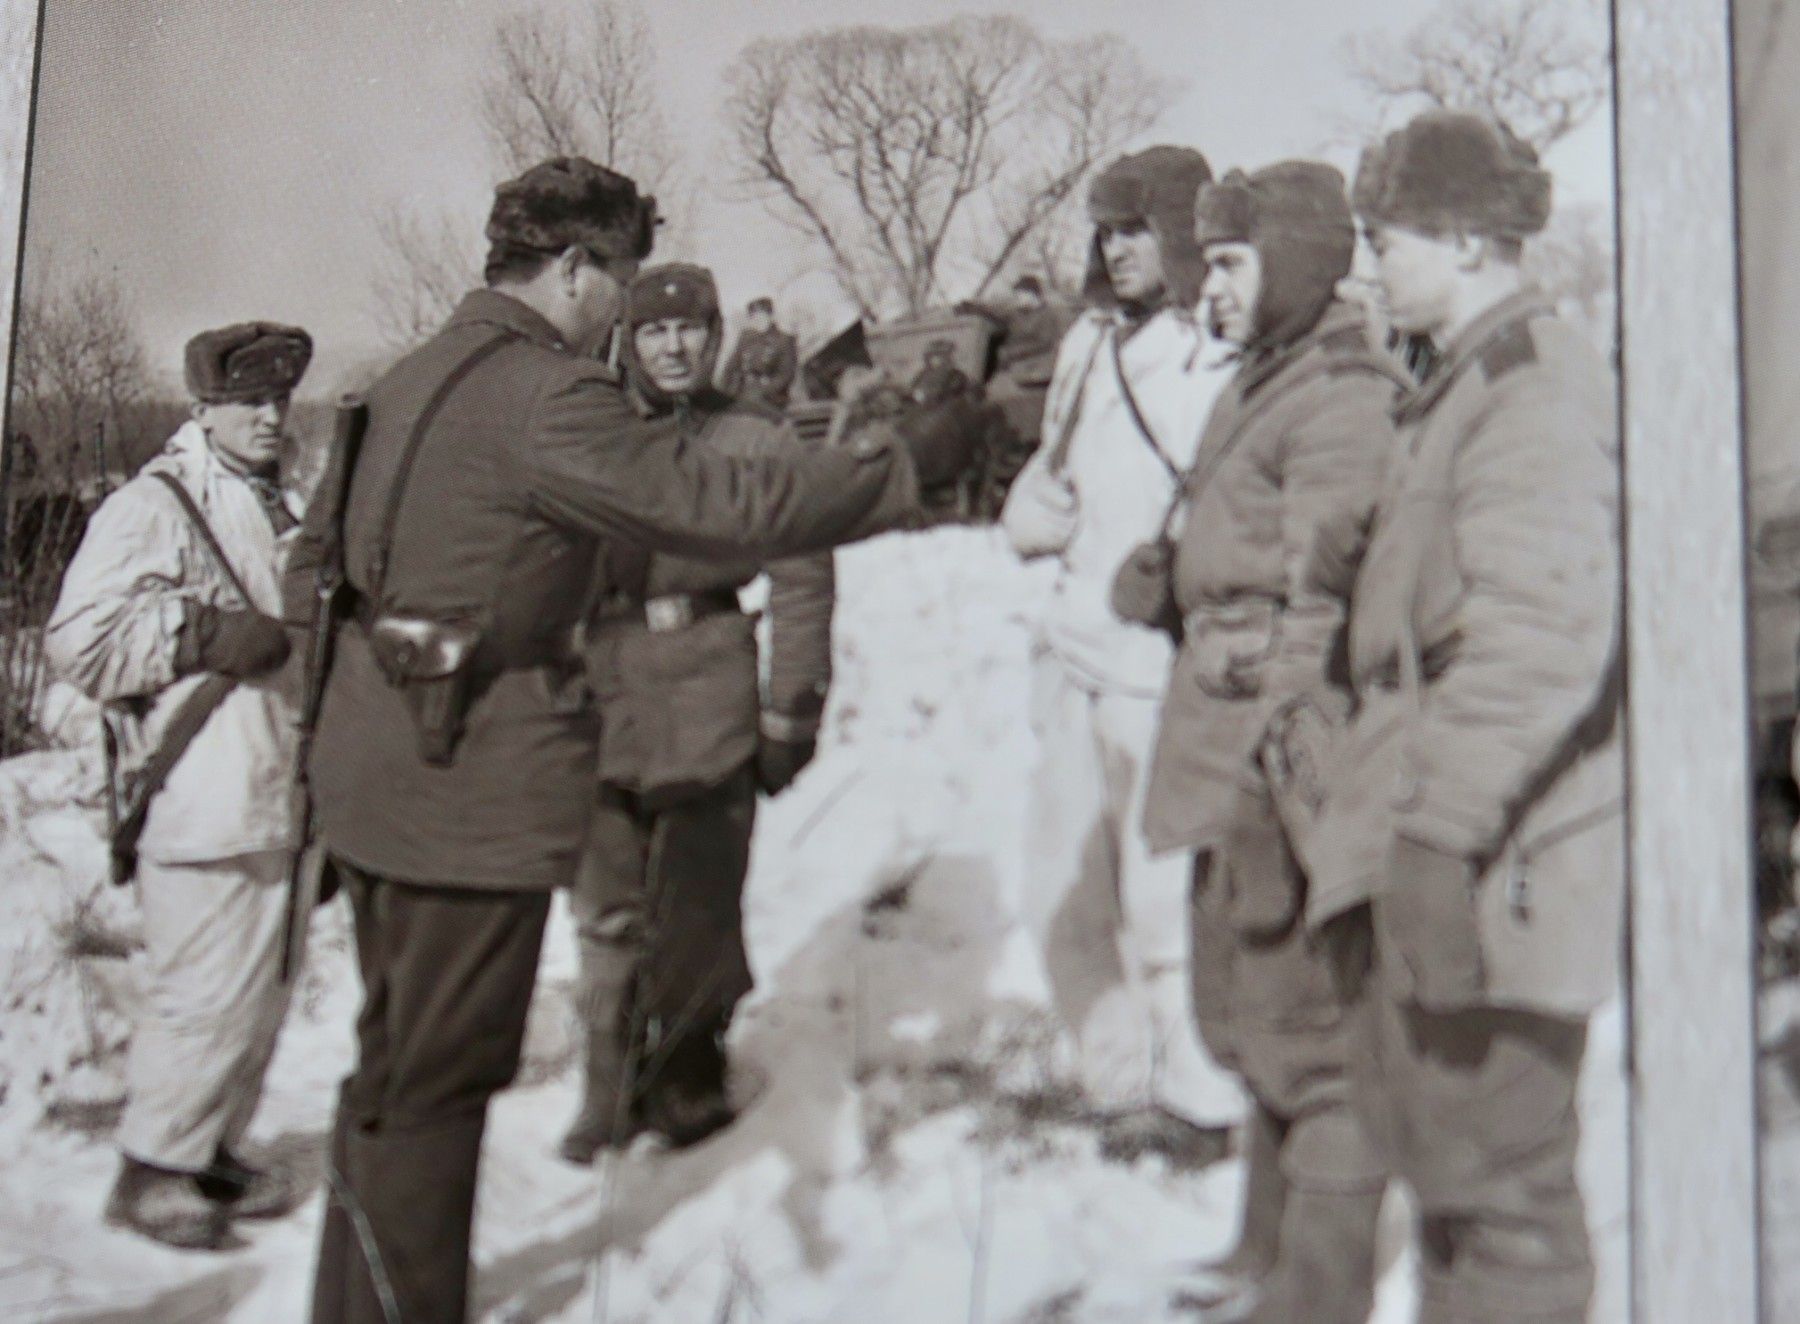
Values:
[(1769, 174), (943, 662)]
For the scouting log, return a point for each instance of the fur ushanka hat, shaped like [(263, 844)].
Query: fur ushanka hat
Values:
[(1156, 187), (569, 200), (1296, 216), (1448, 172), (245, 362)]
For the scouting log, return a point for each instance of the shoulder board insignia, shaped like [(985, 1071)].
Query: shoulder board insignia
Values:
[(1512, 348)]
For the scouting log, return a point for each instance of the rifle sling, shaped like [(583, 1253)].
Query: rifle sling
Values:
[(396, 495), (196, 710), (1137, 414)]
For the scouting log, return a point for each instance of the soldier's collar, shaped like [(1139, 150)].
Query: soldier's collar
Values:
[(1259, 367), (1467, 348), (493, 308)]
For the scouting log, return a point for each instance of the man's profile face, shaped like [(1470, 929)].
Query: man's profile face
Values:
[(246, 436), (673, 352), (1133, 260), (1233, 285), (1416, 275)]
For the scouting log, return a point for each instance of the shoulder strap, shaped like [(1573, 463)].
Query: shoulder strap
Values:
[(207, 536), (1137, 414), (1065, 437), (390, 515)]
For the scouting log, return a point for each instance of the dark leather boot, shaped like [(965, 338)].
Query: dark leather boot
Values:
[(166, 1206), (247, 1191), (685, 1096), (1228, 1285), (1325, 1272), (608, 1116)]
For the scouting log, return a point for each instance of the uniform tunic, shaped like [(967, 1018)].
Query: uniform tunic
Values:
[(534, 457), (1477, 802)]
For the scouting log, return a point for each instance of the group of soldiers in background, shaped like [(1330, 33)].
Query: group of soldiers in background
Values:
[(1325, 833)]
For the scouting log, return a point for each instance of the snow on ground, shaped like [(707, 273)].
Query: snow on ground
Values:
[(1779, 1086), (910, 1148)]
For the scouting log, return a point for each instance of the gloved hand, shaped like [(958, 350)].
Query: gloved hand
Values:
[(1040, 513), (1428, 912), (1143, 591), (242, 643), (778, 762), (944, 439)]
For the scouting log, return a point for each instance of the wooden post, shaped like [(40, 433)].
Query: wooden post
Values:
[(1694, 1151)]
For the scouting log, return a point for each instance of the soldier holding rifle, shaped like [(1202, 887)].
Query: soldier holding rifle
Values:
[(455, 757)]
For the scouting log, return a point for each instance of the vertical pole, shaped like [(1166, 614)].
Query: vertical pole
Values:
[(1693, 1132)]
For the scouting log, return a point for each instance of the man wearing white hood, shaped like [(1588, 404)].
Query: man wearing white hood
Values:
[(168, 616), (1134, 379)]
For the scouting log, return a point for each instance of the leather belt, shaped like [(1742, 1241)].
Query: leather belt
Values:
[(671, 611), (555, 650)]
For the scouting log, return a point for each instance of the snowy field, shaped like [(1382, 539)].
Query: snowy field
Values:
[(910, 1149)]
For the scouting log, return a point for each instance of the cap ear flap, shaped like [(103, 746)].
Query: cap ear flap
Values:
[(647, 221)]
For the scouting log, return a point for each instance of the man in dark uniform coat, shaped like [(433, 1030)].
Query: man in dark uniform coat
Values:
[(764, 360), (686, 741), (453, 765)]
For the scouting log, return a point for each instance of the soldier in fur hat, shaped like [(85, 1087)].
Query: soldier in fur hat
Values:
[(686, 742), (453, 766), (762, 364), (1256, 584), (154, 623), (1134, 378), (1470, 852)]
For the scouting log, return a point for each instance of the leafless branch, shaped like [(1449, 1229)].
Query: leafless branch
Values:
[(921, 157), (1542, 67)]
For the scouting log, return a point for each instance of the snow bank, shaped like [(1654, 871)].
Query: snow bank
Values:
[(909, 1149)]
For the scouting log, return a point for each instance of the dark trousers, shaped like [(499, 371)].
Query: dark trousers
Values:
[(665, 882), (1476, 1111), (447, 980)]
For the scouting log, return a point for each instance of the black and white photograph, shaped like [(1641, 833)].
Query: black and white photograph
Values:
[(991, 661)]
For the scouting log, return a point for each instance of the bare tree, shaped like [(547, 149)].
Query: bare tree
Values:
[(425, 268), (555, 86), (79, 362), (1541, 67), (1573, 260), (582, 87), (916, 157)]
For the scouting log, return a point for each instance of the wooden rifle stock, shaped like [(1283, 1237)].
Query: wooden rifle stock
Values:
[(351, 422)]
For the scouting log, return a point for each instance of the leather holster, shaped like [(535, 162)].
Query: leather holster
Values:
[(429, 662)]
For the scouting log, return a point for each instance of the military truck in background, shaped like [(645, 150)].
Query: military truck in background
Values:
[(885, 370)]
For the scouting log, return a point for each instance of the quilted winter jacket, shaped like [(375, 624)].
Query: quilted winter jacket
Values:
[(1275, 519), (679, 708), (114, 632), (1484, 647)]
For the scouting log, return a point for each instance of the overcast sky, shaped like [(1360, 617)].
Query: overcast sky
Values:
[(227, 157)]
